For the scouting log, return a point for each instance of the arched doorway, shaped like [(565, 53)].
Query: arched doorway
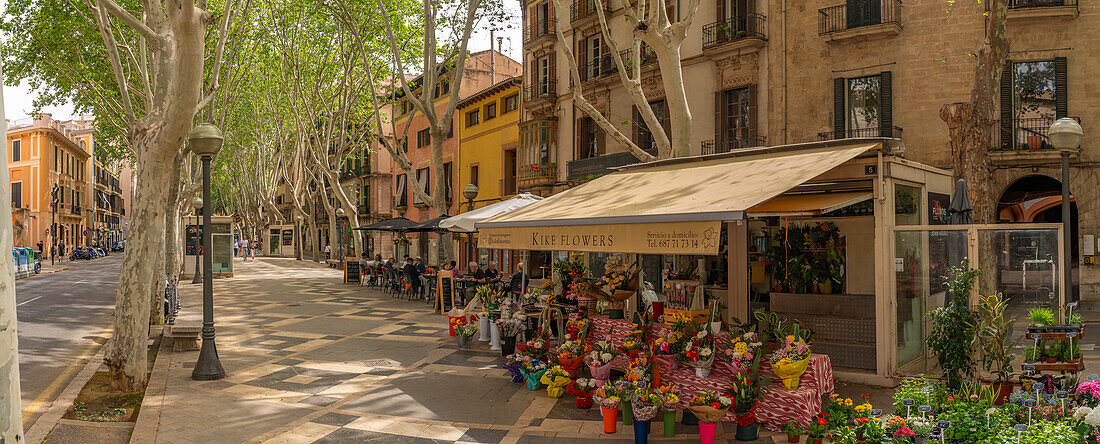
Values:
[(1038, 199)]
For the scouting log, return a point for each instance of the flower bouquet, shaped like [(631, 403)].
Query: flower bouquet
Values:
[(789, 362), (512, 363), (535, 349), (555, 378), (669, 405), (599, 360), (668, 346), (577, 329), (455, 318), (745, 389), (644, 403), (463, 333), (508, 329), (609, 396), (633, 347), (583, 389), (710, 407), (571, 356), (532, 369), (699, 352), (737, 352), (640, 371)]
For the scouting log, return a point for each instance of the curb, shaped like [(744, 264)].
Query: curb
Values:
[(52, 416), (148, 420)]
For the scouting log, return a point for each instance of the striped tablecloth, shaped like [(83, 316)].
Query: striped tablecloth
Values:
[(777, 406)]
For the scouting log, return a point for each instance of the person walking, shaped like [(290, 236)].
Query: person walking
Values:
[(244, 249), (236, 247), (328, 251), (61, 251)]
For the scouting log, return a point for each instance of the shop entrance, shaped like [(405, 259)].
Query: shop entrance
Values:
[(1038, 199)]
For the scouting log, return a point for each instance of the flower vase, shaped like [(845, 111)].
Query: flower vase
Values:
[(628, 413), (507, 345), (641, 431), (702, 371), (748, 433), (689, 418), (462, 341), (483, 327), (610, 419), (706, 432), (494, 336), (670, 423), (818, 440)]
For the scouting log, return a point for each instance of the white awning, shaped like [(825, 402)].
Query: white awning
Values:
[(464, 223)]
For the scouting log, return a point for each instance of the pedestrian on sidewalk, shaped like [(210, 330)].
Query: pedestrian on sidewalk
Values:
[(61, 251), (236, 247), (328, 251), (39, 249), (244, 249)]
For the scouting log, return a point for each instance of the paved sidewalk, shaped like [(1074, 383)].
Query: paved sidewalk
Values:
[(310, 359)]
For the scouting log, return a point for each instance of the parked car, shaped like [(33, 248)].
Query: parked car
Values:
[(119, 246)]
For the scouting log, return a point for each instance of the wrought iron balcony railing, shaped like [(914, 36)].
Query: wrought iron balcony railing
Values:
[(546, 89), (539, 29), (727, 145), (859, 13), (878, 131), (749, 26)]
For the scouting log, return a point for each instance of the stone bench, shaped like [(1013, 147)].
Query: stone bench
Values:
[(185, 337)]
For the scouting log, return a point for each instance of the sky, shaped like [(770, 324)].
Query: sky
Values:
[(19, 99)]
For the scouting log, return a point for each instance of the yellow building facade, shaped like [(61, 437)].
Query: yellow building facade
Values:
[(488, 139), (44, 153)]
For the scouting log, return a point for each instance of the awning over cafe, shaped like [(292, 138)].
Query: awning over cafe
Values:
[(808, 204), (665, 208)]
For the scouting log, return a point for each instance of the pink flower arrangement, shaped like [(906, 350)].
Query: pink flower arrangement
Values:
[(1091, 389), (904, 431)]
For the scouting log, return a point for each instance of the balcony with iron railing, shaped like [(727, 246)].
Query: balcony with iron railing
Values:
[(1023, 9), (591, 167), (748, 27), (597, 68), (538, 30), (1028, 134), (860, 18), (535, 175), (1024, 4), (586, 8), (539, 90), (646, 54), (74, 209), (877, 131), (728, 145)]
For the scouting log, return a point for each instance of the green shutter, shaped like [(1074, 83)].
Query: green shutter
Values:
[(839, 88), (1007, 141), (1061, 94), (886, 105)]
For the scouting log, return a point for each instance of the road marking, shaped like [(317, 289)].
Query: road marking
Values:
[(30, 300), (62, 379)]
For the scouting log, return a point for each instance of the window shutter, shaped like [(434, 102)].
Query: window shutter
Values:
[(721, 10), (886, 104), (666, 121), (838, 106), (581, 129), (582, 58), (753, 91), (1061, 94), (1006, 107), (719, 122)]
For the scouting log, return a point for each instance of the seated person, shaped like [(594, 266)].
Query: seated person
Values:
[(412, 275), (419, 264), (491, 275)]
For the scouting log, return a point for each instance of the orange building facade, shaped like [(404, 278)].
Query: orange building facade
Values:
[(44, 155)]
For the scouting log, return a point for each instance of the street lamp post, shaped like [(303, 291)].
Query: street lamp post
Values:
[(197, 204), (205, 140), (340, 237), (53, 225), (1065, 135), (470, 193)]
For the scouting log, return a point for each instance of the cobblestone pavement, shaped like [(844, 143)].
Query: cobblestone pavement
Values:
[(310, 359)]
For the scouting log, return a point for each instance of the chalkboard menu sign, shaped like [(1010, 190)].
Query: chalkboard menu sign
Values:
[(193, 239), (351, 271), (288, 237), (445, 296)]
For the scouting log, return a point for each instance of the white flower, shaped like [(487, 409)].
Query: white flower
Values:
[(723, 400), (1093, 418), (606, 357), (1081, 412)]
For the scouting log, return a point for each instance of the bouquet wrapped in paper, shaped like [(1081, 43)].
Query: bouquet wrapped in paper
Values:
[(669, 397), (583, 389), (710, 406), (789, 362), (535, 349), (699, 352), (532, 369), (609, 396), (737, 351), (599, 359), (646, 402), (512, 363), (571, 356), (555, 378), (640, 371)]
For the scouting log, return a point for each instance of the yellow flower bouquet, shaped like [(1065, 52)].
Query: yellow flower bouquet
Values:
[(789, 362), (555, 379)]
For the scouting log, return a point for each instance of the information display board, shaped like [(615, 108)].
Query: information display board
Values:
[(445, 295), (351, 271)]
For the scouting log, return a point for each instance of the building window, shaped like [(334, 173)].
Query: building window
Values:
[(863, 107), (490, 111), (17, 194), (448, 180), (402, 190), (16, 155), (863, 103), (1038, 97), (423, 138), (511, 103), (588, 140), (542, 76), (644, 137), (473, 118), (423, 179), (473, 175), (594, 51)]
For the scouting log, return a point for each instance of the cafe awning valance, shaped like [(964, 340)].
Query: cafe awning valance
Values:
[(665, 208), (808, 204)]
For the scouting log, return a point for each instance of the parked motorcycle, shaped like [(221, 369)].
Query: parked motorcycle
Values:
[(80, 253)]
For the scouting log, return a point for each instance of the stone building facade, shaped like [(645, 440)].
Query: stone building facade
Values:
[(783, 72)]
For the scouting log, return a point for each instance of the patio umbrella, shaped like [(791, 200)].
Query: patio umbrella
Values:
[(428, 226), (959, 211), (464, 223), (396, 224)]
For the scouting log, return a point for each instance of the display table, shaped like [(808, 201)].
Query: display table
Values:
[(777, 406)]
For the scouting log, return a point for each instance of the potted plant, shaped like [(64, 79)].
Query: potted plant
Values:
[(819, 426), (1031, 354), (994, 332), (463, 333), (745, 390), (1041, 318), (953, 327), (793, 431), (1055, 350), (1071, 352), (582, 389)]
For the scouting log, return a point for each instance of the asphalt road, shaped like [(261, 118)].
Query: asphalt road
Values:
[(64, 318)]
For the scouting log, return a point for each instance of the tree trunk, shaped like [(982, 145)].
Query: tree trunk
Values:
[(314, 238), (678, 110), (172, 249), (126, 356), (11, 418)]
